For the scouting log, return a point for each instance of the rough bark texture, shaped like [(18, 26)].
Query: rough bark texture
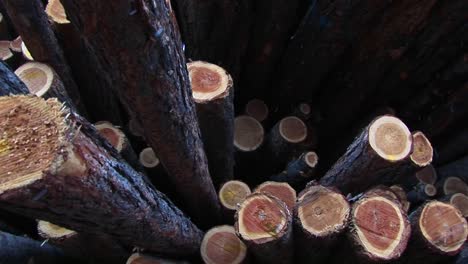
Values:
[(297, 171), (32, 24), (463, 257), (9, 82), (139, 45), (103, 195)]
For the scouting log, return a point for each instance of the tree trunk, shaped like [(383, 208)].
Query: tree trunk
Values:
[(298, 171), (80, 182), (150, 67), (9, 82)]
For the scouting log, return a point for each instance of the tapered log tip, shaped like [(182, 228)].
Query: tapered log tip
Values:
[(221, 245), (454, 185), (36, 76), (390, 138), (381, 227), (460, 201), (262, 218), (257, 109), (56, 12), (280, 190), (5, 52), (32, 133), (443, 226), (115, 136), (248, 133), (292, 129), (208, 81), (148, 158), (49, 230), (322, 212), (233, 193), (422, 150)]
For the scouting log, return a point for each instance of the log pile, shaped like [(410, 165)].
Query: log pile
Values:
[(183, 131)]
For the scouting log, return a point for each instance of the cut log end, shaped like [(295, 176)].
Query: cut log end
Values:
[(460, 201), (26, 54), (311, 159), (56, 12), (248, 133), (32, 133), (454, 185), (280, 190), (430, 190), (233, 193), (262, 218), (257, 109), (402, 197), (221, 245), (138, 258), (390, 138), (148, 158), (443, 226), (427, 175), (5, 52), (305, 108), (115, 136), (15, 45), (292, 129), (209, 81), (381, 227), (323, 212), (422, 150), (38, 77), (51, 231)]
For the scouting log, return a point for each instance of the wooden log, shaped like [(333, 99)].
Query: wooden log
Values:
[(213, 94), (438, 232), (99, 248), (264, 224), (139, 258), (26, 53), (5, 52), (257, 109), (457, 168), (76, 164), (402, 197), (5, 33), (421, 193), (54, 9), (463, 256), (43, 81), (453, 148), (23, 250), (321, 216), (9, 82), (379, 229), (15, 45), (460, 201), (280, 190), (299, 170), (231, 195), (221, 245), (451, 185), (427, 175), (384, 144), (161, 64), (303, 111), (32, 24)]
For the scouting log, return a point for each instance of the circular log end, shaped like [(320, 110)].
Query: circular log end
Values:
[(221, 245), (233, 193), (443, 227), (430, 190), (15, 45), (112, 134), (148, 158), (390, 138), (292, 129), (257, 109), (26, 54), (49, 230), (402, 197), (454, 185), (305, 108), (32, 133), (248, 133), (322, 212), (422, 150), (5, 52), (208, 81), (427, 175), (382, 228), (36, 76), (460, 201), (138, 258), (280, 190), (56, 12), (311, 159), (262, 218)]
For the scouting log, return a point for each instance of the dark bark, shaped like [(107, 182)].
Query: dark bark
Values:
[(298, 171), (463, 257), (421, 193), (9, 82), (139, 45), (457, 168), (454, 147), (32, 24), (91, 189)]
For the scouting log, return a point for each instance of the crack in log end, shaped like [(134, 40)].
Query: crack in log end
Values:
[(208, 81), (222, 246), (460, 201), (112, 134), (248, 133), (422, 150), (322, 212), (390, 138), (292, 129), (262, 218), (233, 193), (36, 76), (280, 190), (382, 228), (49, 230), (443, 226), (33, 130), (257, 109), (56, 12)]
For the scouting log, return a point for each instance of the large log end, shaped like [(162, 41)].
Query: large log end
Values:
[(390, 138)]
